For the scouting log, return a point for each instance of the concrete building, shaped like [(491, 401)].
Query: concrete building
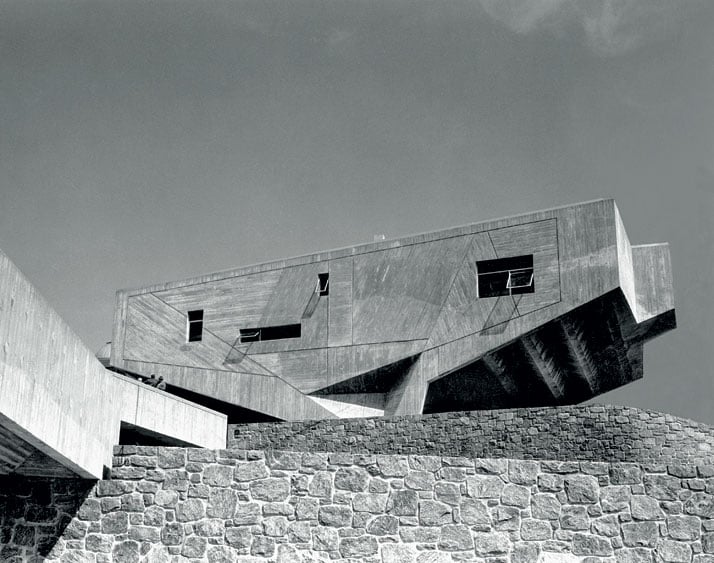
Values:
[(547, 308)]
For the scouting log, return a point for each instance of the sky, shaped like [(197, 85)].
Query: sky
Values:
[(148, 141)]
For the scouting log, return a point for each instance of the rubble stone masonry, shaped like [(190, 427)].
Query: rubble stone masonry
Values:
[(592, 432), (182, 504)]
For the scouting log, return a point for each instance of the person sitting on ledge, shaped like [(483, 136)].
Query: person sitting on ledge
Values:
[(161, 384), (152, 381)]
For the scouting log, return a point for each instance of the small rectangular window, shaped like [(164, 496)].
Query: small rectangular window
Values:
[(194, 326), (323, 284), (269, 333), (505, 276)]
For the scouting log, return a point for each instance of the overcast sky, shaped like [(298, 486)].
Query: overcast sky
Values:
[(149, 141)]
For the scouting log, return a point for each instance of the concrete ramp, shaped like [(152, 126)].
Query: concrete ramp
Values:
[(61, 411)]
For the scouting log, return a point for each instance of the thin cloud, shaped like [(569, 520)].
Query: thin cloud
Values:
[(610, 27)]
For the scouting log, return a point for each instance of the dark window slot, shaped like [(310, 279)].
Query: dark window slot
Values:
[(505, 276), (195, 326), (323, 284), (280, 332)]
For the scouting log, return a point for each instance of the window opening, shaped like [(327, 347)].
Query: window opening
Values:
[(323, 284), (194, 329), (505, 276), (260, 334)]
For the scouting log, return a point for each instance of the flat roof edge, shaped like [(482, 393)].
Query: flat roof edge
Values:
[(346, 251)]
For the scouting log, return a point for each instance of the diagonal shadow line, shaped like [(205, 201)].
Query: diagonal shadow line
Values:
[(496, 322)]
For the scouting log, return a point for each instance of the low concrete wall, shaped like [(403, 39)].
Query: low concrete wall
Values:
[(595, 432), (175, 504), (56, 396)]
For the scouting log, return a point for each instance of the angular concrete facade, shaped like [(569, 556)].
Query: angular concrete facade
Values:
[(61, 411), (548, 308)]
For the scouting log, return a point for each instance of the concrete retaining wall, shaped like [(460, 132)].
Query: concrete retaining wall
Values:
[(176, 504), (594, 432)]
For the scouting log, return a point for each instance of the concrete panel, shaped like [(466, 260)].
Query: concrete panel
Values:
[(463, 312), (303, 369), (156, 333), (539, 238), (398, 293), (340, 302), (653, 280), (265, 394), (350, 361), (625, 266), (409, 396), (229, 303)]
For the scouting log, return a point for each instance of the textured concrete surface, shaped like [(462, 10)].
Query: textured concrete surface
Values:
[(59, 400)]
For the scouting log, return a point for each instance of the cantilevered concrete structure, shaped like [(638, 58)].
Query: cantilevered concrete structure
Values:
[(548, 308), (61, 411)]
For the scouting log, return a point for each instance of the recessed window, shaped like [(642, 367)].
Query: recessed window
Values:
[(505, 276), (323, 284), (269, 333), (194, 329)]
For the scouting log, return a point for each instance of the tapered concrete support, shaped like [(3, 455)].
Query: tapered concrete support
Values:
[(409, 394)]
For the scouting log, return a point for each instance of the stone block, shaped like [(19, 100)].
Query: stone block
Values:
[(574, 518), (320, 485), (250, 471), (434, 513), (171, 458), (523, 472), (395, 553), (640, 534), (533, 530), (643, 507), (221, 503), (670, 551), (402, 502), (588, 544), (516, 495), (582, 489), (491, 544), (126, 552), (484, 486), (190, 510), (115, 523), (545, 506), (359, 547), (419, 480), (383, 525), (262, 546), (353, 479), (335, 515), (246, 513), (194, 547), (475, 513), (325, 539), (687, 528), (271, 489), (369, 502)]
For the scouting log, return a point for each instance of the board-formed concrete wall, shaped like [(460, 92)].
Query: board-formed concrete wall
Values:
[(176, 504), (595, 432)]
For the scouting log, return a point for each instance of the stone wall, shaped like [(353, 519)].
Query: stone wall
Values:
[(595, 432), (175, 504)]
